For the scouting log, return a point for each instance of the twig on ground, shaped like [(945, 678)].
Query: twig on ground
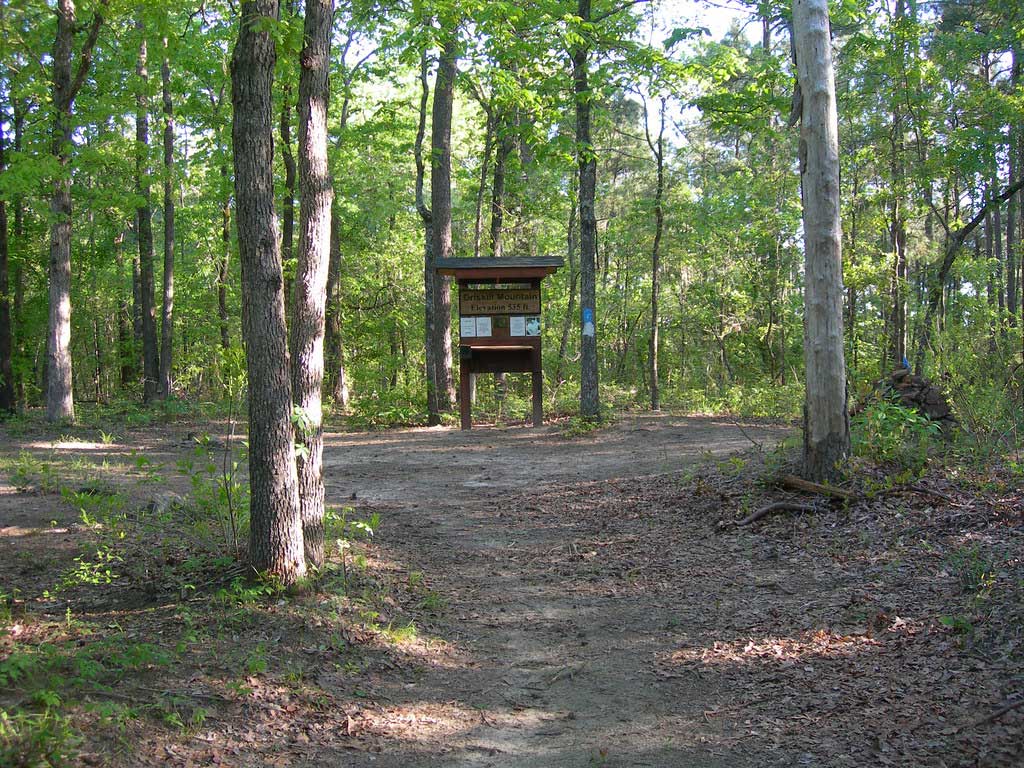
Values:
[(777, 506), (1007, 707)]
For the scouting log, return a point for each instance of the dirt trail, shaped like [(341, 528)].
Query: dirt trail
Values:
[(549, 671)]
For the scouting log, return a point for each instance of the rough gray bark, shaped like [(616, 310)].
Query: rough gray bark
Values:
[(275, 525), (60, 405), (144, 217), (570, 312), (441, 223), (317, 195), (826, 420), (167, 312), (590, 404)]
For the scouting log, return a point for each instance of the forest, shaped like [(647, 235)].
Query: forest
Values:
[(783, 377)]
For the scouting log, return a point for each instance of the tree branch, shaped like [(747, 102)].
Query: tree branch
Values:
[(85, 58)]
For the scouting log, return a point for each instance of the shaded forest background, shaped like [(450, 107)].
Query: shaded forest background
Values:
[(697, 185)]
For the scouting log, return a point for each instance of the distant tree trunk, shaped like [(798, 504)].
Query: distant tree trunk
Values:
[(826, 423), (19, 270), (429, 276), (570, 312), (7, 393), (441, 222), (1011, 225), (657, 147), (60, 404), (167, 315), (590, 404), (223, 263), (125, 343), (506, 143), (311, 270), (485, 161), (334, 337), (275, 526), (144, 214)]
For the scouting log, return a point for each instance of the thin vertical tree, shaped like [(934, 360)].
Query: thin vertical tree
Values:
[(586, 158), (275, 525), (167, 310), (60, 401), (144, 223), (317, 196), (7, 401), (826, 421)]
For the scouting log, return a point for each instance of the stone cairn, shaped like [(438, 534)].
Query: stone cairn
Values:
[(918, 393)]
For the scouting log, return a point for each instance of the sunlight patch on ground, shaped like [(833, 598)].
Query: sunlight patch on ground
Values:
[(786, 650)]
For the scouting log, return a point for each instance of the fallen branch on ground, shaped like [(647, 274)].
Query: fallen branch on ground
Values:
[(753, 517), (799, 484), (1009, 706)]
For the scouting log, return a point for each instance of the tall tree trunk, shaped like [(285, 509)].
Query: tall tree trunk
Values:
[(826, 423), (311, 271), (657, 147), (275, 524), (167, 314), (60, 404), (1012, 290), (19, 268), (590, 404), (144, 213), (441, 220), (7, 394), (429, 276)]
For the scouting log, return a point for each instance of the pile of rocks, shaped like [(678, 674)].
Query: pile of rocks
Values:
[(918, 393)]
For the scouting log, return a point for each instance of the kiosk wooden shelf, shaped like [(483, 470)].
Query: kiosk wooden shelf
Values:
[(499, 321)]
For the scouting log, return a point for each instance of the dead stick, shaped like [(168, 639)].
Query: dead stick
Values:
[(1008, 707), (799, 484), (767, 510)]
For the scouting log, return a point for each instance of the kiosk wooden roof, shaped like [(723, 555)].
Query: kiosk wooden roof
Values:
[(511, 268)]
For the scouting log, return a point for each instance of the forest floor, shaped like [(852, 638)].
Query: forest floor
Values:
[(526, 599)]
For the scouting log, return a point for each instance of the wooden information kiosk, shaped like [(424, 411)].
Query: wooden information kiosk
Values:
[(499, 321)]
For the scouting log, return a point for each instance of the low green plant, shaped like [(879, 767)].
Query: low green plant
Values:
[(975, 572), (44, 740), (889, 432)]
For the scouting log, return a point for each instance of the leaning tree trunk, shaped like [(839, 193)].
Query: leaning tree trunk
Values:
[(144, 216), (826, 422), (441, 220), (167, 313), (590, 404), (317, 195), (60, 404), (275, 525)]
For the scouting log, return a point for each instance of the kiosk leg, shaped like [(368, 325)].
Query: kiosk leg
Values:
[(465, 403), (538, 399)]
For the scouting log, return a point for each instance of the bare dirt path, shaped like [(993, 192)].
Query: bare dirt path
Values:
[(546, 668)]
